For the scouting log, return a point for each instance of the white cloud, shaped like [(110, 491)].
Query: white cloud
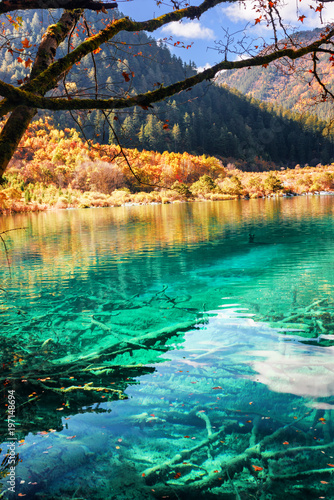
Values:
[(202, 68), (191, 30), (246, 13)]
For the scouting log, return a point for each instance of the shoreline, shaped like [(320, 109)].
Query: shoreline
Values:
[(33, 207)]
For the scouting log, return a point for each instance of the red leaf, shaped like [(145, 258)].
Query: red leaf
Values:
[(301, 18), (126, 76), (26, 44)]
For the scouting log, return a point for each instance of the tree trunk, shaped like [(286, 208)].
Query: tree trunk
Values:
[(12, 133), (21, 116)]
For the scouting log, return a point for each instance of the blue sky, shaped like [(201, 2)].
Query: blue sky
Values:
[(232, 16)]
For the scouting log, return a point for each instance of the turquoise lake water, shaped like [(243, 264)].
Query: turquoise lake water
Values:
[(171, 351)]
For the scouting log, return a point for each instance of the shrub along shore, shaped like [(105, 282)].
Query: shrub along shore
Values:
[(54, 169)]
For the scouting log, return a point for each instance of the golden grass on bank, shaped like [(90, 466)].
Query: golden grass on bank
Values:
[(16, 196)]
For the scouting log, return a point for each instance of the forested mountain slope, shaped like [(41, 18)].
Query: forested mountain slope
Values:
[(289, 85), (208, 119)]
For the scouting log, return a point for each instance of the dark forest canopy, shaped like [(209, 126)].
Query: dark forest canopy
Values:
[(40, 88)]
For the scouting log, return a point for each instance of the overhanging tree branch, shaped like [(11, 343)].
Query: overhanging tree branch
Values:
[(11, 5), (16, 95), (48, 80)]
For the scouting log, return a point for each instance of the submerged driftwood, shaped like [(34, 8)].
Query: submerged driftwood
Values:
[(90, 355)]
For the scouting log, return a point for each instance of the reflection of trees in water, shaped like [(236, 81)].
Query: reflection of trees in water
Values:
[(55, 238)]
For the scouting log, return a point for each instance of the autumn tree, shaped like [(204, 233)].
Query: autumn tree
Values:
[(21, 101)]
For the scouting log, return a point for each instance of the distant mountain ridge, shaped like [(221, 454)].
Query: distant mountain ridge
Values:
[(290, 87)]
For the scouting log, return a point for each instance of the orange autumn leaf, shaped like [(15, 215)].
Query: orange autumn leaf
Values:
[(26, 44), (257, 468), (331, 465), (126, 76), (286, 442), (177, 475), (301, 18), (96, 51), (20, 60), (324, 482)]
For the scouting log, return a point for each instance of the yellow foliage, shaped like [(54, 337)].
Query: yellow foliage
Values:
[(12, 193)]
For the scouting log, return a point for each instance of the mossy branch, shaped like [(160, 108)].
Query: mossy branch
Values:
[(148, 98), (10, 6)]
